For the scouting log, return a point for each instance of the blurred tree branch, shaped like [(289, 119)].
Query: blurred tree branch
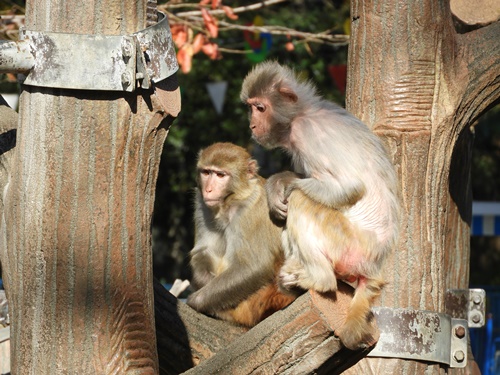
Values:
[(197, 30), (194, 19)]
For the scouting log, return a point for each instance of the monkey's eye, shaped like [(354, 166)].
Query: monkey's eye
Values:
[(220, 174), (260, 107), (205, 172)]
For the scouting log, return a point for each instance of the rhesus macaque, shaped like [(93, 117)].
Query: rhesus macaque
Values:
[(237, 252), (342, 214)]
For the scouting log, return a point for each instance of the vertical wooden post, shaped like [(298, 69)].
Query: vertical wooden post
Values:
[(413, 79), (78, 206)]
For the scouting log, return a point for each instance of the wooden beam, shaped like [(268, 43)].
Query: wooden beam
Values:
[(298, 339)]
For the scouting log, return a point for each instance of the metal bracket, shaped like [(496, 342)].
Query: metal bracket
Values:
[(4, 310), (93, 62), (421, 335), (467, 304)]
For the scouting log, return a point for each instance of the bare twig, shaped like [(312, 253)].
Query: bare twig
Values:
[(337, 39), (215, 12), (194, 20)]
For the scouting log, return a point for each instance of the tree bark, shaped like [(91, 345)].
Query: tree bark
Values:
[(296, 340), (185, 337), (76, 226), (420, 86)]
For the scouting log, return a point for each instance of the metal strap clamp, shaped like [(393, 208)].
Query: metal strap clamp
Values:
[(430, 336), (93, 62)]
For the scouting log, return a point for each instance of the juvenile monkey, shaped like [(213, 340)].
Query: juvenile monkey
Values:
[(342, 216), (237, 251)]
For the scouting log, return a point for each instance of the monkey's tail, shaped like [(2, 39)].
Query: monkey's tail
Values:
[(258, 306), (357, 331)]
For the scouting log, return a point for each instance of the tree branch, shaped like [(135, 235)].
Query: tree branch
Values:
[(216, 12), (297, 339), (194, 20), (322, 37), (185, 337)]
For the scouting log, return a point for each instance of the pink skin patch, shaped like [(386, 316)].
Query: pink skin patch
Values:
[(350, 279), (347, 268)]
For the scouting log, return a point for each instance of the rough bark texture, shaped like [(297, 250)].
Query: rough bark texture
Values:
[(297, 340), (420, 86), (185, 337), (76, 225)]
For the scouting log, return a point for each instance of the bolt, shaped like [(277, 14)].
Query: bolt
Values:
[(126, 79), (476, 317), (459, 356), (146, 45), (127, 48), (476, 298), (460, 332)]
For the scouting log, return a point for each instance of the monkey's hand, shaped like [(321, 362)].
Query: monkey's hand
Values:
[(278, 188), (332, 192)]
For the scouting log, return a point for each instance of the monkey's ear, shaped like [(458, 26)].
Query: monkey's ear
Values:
[(253, 168), (288, 94)]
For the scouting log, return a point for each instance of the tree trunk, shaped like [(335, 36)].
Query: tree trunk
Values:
[(420, 86), (78, 206)]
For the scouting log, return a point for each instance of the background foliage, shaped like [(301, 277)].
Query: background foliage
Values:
[(485, 176), (198, 124)]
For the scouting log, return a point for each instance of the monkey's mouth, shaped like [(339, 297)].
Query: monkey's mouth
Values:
[(211, 202)]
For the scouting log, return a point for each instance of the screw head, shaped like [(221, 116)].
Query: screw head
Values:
[(127, 48), (476, 317), (476, 298), (126, 79), (459, 356), (460, 332)]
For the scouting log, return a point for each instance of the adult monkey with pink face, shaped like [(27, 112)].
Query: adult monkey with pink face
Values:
[(342, 216), (237, 251)]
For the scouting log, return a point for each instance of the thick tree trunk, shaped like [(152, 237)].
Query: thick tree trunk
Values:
[(78, 206), (416, 83)]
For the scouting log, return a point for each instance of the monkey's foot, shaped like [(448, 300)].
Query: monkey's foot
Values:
[(288, 281), (301, 279), (355, 336)]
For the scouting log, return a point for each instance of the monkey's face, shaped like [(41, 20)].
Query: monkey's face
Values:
[(269, 128), (260, 116), (214, 185)]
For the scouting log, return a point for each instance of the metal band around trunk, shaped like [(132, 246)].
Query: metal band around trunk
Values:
[(421, 335), (95, 62)]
